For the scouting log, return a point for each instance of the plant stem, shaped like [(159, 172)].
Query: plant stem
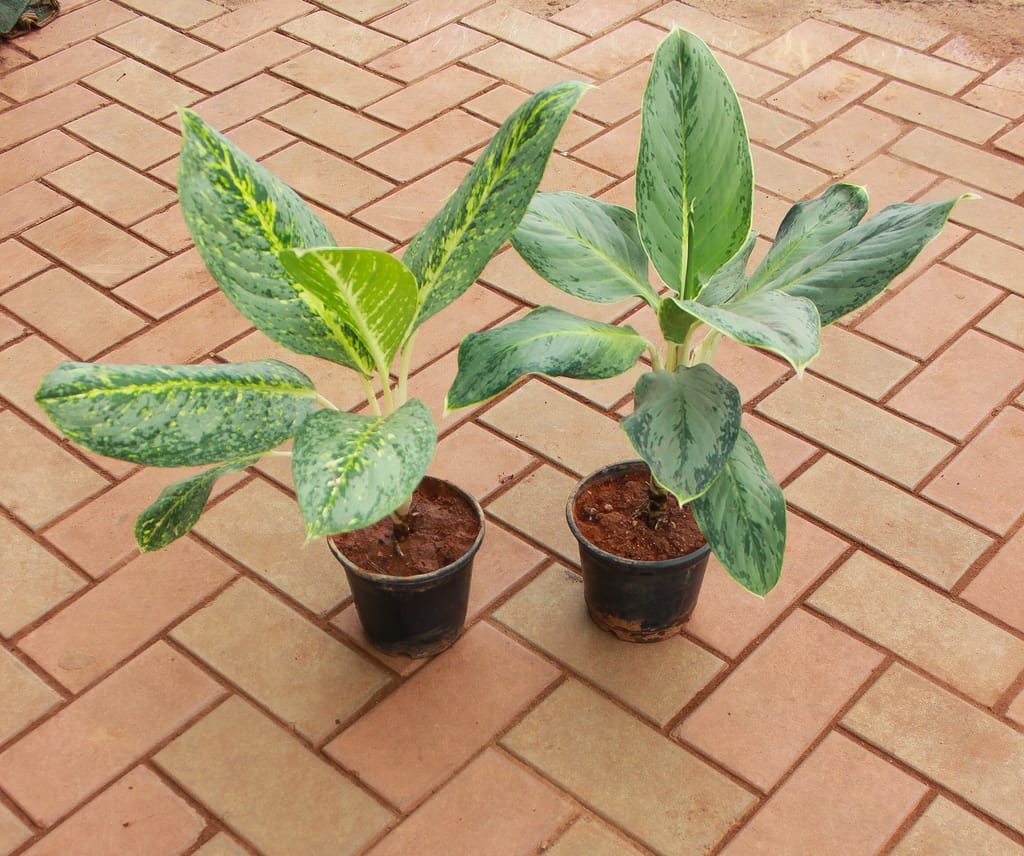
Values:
[(326, 402), (404, 362), (278, 453), (657, 364), (371, 398), (705, 351)]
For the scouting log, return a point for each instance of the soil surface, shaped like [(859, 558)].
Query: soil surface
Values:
[(444, 527), (610, 514)]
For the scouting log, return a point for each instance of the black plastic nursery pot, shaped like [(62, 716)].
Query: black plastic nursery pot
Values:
[(419, 615), (638, 601)]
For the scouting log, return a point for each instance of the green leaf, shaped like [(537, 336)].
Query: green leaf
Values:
[(731, 278), (179, 506), (694, 177), (684, 425), (350, 470), (674, 321), (369, 299), (770, 320), (240, 216), (856, 266), (587, 248), (177, 416), (808, 226), (449, 253), (743, 516), (546, 341)]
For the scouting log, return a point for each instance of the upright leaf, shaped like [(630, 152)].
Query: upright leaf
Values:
[(177, 416), (694, 177), (350, 470), (452, 249), (684, 425), (240, 216), (731, 278), (743, 516), (369, 298), (546, 341), (587, 248)]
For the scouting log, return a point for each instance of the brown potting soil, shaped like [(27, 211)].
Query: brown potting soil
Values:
[(443, 528), (610, 514)]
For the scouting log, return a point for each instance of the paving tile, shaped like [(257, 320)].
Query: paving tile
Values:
[(26, 697), (850, 426), (889, 181), (46, 113), (57, 70), (121, 614), (530, 32), (245, 101), (947, 828), (110, 188), (1006, 321), (32, 160), (615, 150), (340, 37), (429, 97), (945, 739), (494, 806), (943, 300), (885, 518), (825, 90), (183, 15), (803, 46), (337, 129), (784, 453), (1002, 176), (422, 16), (167, 230), (137, 816), (471, 691), (784, 176), (1016, 709), (28, 204), (536, 507), (107, 730), (655, 680), (18, 263), (13, 833), (920, 69), (616, 98), (56, 482), (21, 367), (1010, 76), (168, 286), (859, 364), (303, 676), (402, 214), (935, 111), (604, 393), (770, 127), (996, 100), (982, 481), (429, 146), (241, 62), (907, 29), (963, 385), (76, 26), (590, 837), (595, 16), (157, 45), (564, 173), (847, 140), (363, 10), (250, 20), (268, 787), (604, 757), (336, 79), (494, 461), (997, 588), (990, 259), (129, 137), (432, 52), (717, 32), (522, 69), (780, 684), (261, 528), (750, 80), (143, 88), (220, 845), (997, 217), (1012, 142), (922, 627), (616, 51)]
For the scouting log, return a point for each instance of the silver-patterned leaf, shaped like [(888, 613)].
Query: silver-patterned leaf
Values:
[(731, 278)]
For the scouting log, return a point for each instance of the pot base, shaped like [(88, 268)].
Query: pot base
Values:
[(634, 631)]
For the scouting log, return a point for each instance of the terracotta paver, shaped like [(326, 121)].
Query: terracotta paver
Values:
[(220, 698)]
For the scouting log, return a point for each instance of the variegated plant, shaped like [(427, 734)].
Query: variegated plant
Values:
[(358, 308), (694, 192)]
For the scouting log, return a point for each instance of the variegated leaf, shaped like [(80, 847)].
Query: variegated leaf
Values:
[(240, 216), (694, 177), (684, 425), (587, 248), (743, 516), (177, 416), (179, 506), (770, 320), (350, 470), (731, 278), (675, 322), (368, 298), (546, 341), (452, 249)]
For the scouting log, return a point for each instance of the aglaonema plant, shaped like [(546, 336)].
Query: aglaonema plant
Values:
[(358, 308), (694, 193)]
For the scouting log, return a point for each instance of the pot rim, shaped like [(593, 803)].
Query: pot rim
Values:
[(420, 579), (651, 565)]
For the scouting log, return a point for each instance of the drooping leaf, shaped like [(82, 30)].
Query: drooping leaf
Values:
[(179, 506), (587, 248), (684, 425), (743, 516), (731, 278), (770, 320), (177, 416), (240, 216), (369, 298), (350, 470), (453, 248), (810, 225), (694, 177), (856, 266), (546, 341)]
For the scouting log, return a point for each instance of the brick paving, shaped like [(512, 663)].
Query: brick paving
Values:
[(219, 698)]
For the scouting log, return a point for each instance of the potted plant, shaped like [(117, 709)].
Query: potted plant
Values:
[(694, 191), (358, 308)]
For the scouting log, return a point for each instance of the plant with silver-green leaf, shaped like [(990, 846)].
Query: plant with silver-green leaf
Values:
[(358, 308), (694, 192)]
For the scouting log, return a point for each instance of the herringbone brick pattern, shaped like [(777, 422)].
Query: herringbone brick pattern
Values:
[(218, 697)]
